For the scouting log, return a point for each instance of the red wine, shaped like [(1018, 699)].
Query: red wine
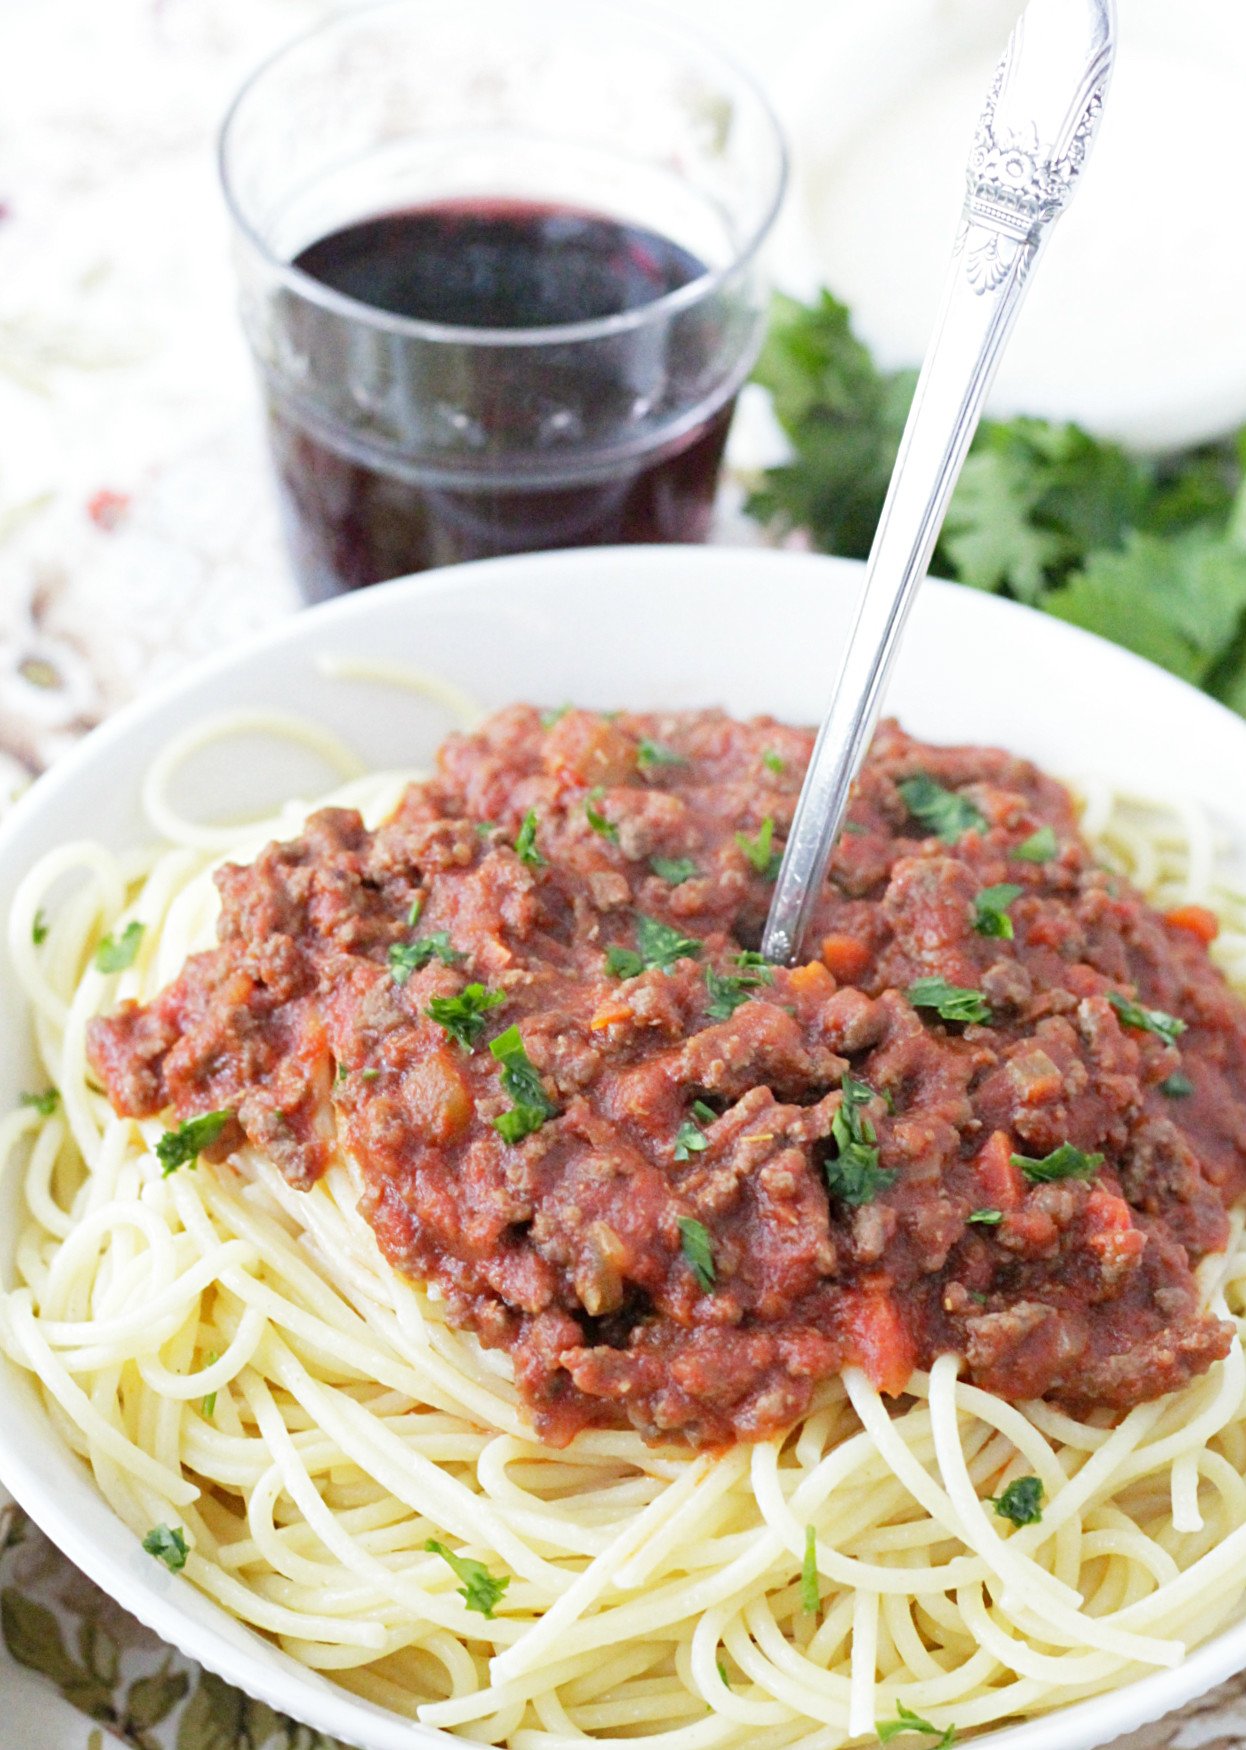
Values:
[(431, 452)]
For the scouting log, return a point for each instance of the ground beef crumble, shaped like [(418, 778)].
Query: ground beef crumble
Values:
[(690, 1106)]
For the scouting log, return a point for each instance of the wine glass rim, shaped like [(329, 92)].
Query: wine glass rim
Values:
[(659, 309)]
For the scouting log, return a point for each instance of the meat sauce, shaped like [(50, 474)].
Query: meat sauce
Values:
[(682, 1187)]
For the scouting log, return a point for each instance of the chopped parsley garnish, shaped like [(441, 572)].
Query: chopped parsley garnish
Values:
[(810, 1597), (549, 718), (1021, 1501), (907, 1721), (986, 1217), (652, 753), (722, 1672), (952, 1002), (1177, 1086), (940, 811), (183, 1146), (1065, 1162), (417, 908), (532, 1105), (463, 1016), (44, 1104), (853, 1174), (408, 957), (479, 1591), (208, 1405), (1040, 847), (168, 1546), (596, 819), (39, 928), (727, 990), (115, 953), (772, 761), (484, 827), (658, 945), (1169, 1028), (698, 1249), (760, 851), (675, 870), (990, 909), (525, 844), (690, 1139)]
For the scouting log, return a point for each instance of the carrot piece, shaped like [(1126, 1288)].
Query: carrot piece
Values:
[(845, 957), (608, 1017), (1002, 1185), (812, 979), (879, 1341), (1197, 919)]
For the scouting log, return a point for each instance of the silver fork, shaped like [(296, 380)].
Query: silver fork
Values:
[(1030, 146)]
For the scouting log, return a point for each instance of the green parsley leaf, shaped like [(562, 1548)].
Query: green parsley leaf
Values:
[(168, 1546), (907, 1721), (114, 954), (986, 1217), (39, 928), (675, 870), (525, 844), (1177, 1086), (463, 1016), (479, 1591), (416, 911), (1177, 600), (727, 990), (762, 857), (596, 819), (519, 1078), (810, 1595), (482, 828), (1065, 1162), (722, 1672), (952, 1002), (703, 1112), (408, 957), (207, 1405), (853, 1173), (1169, 1028), (652, 753), (990, 909), (772, 761), (698, 1249), (624, 963), (661, 946), (1021, 1501), (1146, 551), (44, 1104), (549, 718), (690, 1140), (183, 1146), (942, 812), (844, 418), (1040, 847)]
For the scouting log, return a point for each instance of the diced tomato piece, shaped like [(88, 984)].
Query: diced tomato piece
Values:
[(584, 749), (1197, 919), (879, 1341), (845, 957), (1001, 1182)]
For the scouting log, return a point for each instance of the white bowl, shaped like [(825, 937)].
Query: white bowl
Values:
[(642, 627)]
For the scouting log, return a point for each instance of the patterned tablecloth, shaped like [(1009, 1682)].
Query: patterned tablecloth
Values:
[(137, 530)]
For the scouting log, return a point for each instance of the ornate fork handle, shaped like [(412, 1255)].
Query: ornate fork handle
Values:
[(1029, 150)]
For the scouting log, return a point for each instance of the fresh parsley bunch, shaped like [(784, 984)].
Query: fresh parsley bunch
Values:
[(1149, 552)]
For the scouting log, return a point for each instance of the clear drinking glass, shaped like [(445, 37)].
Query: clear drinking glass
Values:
[(581, 192)]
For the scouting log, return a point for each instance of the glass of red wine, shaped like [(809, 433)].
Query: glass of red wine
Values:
[(500, 275)]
